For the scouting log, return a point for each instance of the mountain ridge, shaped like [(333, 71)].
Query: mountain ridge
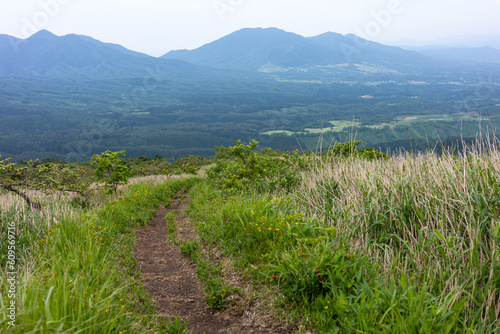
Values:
[(46, 54), (240, 50), (249, 50)]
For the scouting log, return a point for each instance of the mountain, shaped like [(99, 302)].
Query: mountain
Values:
[(326, 57), (252, 48), (45, 54), (353, 49)]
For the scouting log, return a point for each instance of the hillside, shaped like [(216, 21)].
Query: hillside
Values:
[(262, 241)]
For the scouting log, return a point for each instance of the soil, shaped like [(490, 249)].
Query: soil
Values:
[(171, 282)]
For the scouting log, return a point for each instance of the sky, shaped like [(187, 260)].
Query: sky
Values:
[(158, 26)]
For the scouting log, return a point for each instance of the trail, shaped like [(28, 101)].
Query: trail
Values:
[(170, 280)]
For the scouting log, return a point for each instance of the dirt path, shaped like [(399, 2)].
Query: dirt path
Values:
[(171, 282)]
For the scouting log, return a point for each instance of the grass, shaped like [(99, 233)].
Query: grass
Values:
[(404, 245), (408, 244), (337, 126), (171, 227), (76, 269), (340, 126), (210, 273)]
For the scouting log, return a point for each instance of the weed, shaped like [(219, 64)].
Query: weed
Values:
[(176, 327), (190, 248), (171, 226), (217, 292)]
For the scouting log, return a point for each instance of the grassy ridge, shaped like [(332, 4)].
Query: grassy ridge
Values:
[(77, 272), (403, 245), (348, 242)]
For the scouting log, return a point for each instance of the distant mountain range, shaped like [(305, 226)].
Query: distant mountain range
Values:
[(485, 54), (250, 50), (470, 41), (45, 54)]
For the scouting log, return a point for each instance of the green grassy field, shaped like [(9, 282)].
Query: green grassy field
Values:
[(339, 126), (343, 244)]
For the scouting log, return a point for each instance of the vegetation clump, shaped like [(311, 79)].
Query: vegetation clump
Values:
[(240, 166), (111, 169)]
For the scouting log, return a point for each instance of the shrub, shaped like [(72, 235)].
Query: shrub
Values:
[(240, 166)]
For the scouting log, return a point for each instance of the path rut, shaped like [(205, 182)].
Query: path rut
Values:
[(170, 280)]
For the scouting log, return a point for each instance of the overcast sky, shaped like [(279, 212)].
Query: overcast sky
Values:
[(158, 26)]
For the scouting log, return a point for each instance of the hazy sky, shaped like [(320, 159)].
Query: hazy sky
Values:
[(158, 26)]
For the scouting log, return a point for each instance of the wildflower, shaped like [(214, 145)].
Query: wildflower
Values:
[(326, 307), (120, 197), (281, 259), (275, 276)]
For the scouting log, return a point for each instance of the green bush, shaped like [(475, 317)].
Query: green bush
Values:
[(238, 167), (349, 149)]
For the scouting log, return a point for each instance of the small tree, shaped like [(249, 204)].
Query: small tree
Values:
[(240, 166), (111, 169), (350, 149), (46, 177), (13, 178)]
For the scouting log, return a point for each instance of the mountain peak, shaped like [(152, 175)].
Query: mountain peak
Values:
[(259, 32), (43, 34), (251, 48), (330, 34)]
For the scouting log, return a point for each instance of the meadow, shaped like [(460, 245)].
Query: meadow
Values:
[(345, 241)]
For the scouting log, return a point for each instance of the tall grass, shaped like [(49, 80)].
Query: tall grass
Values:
[(434, 220), (75, 266), (401, 245)]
